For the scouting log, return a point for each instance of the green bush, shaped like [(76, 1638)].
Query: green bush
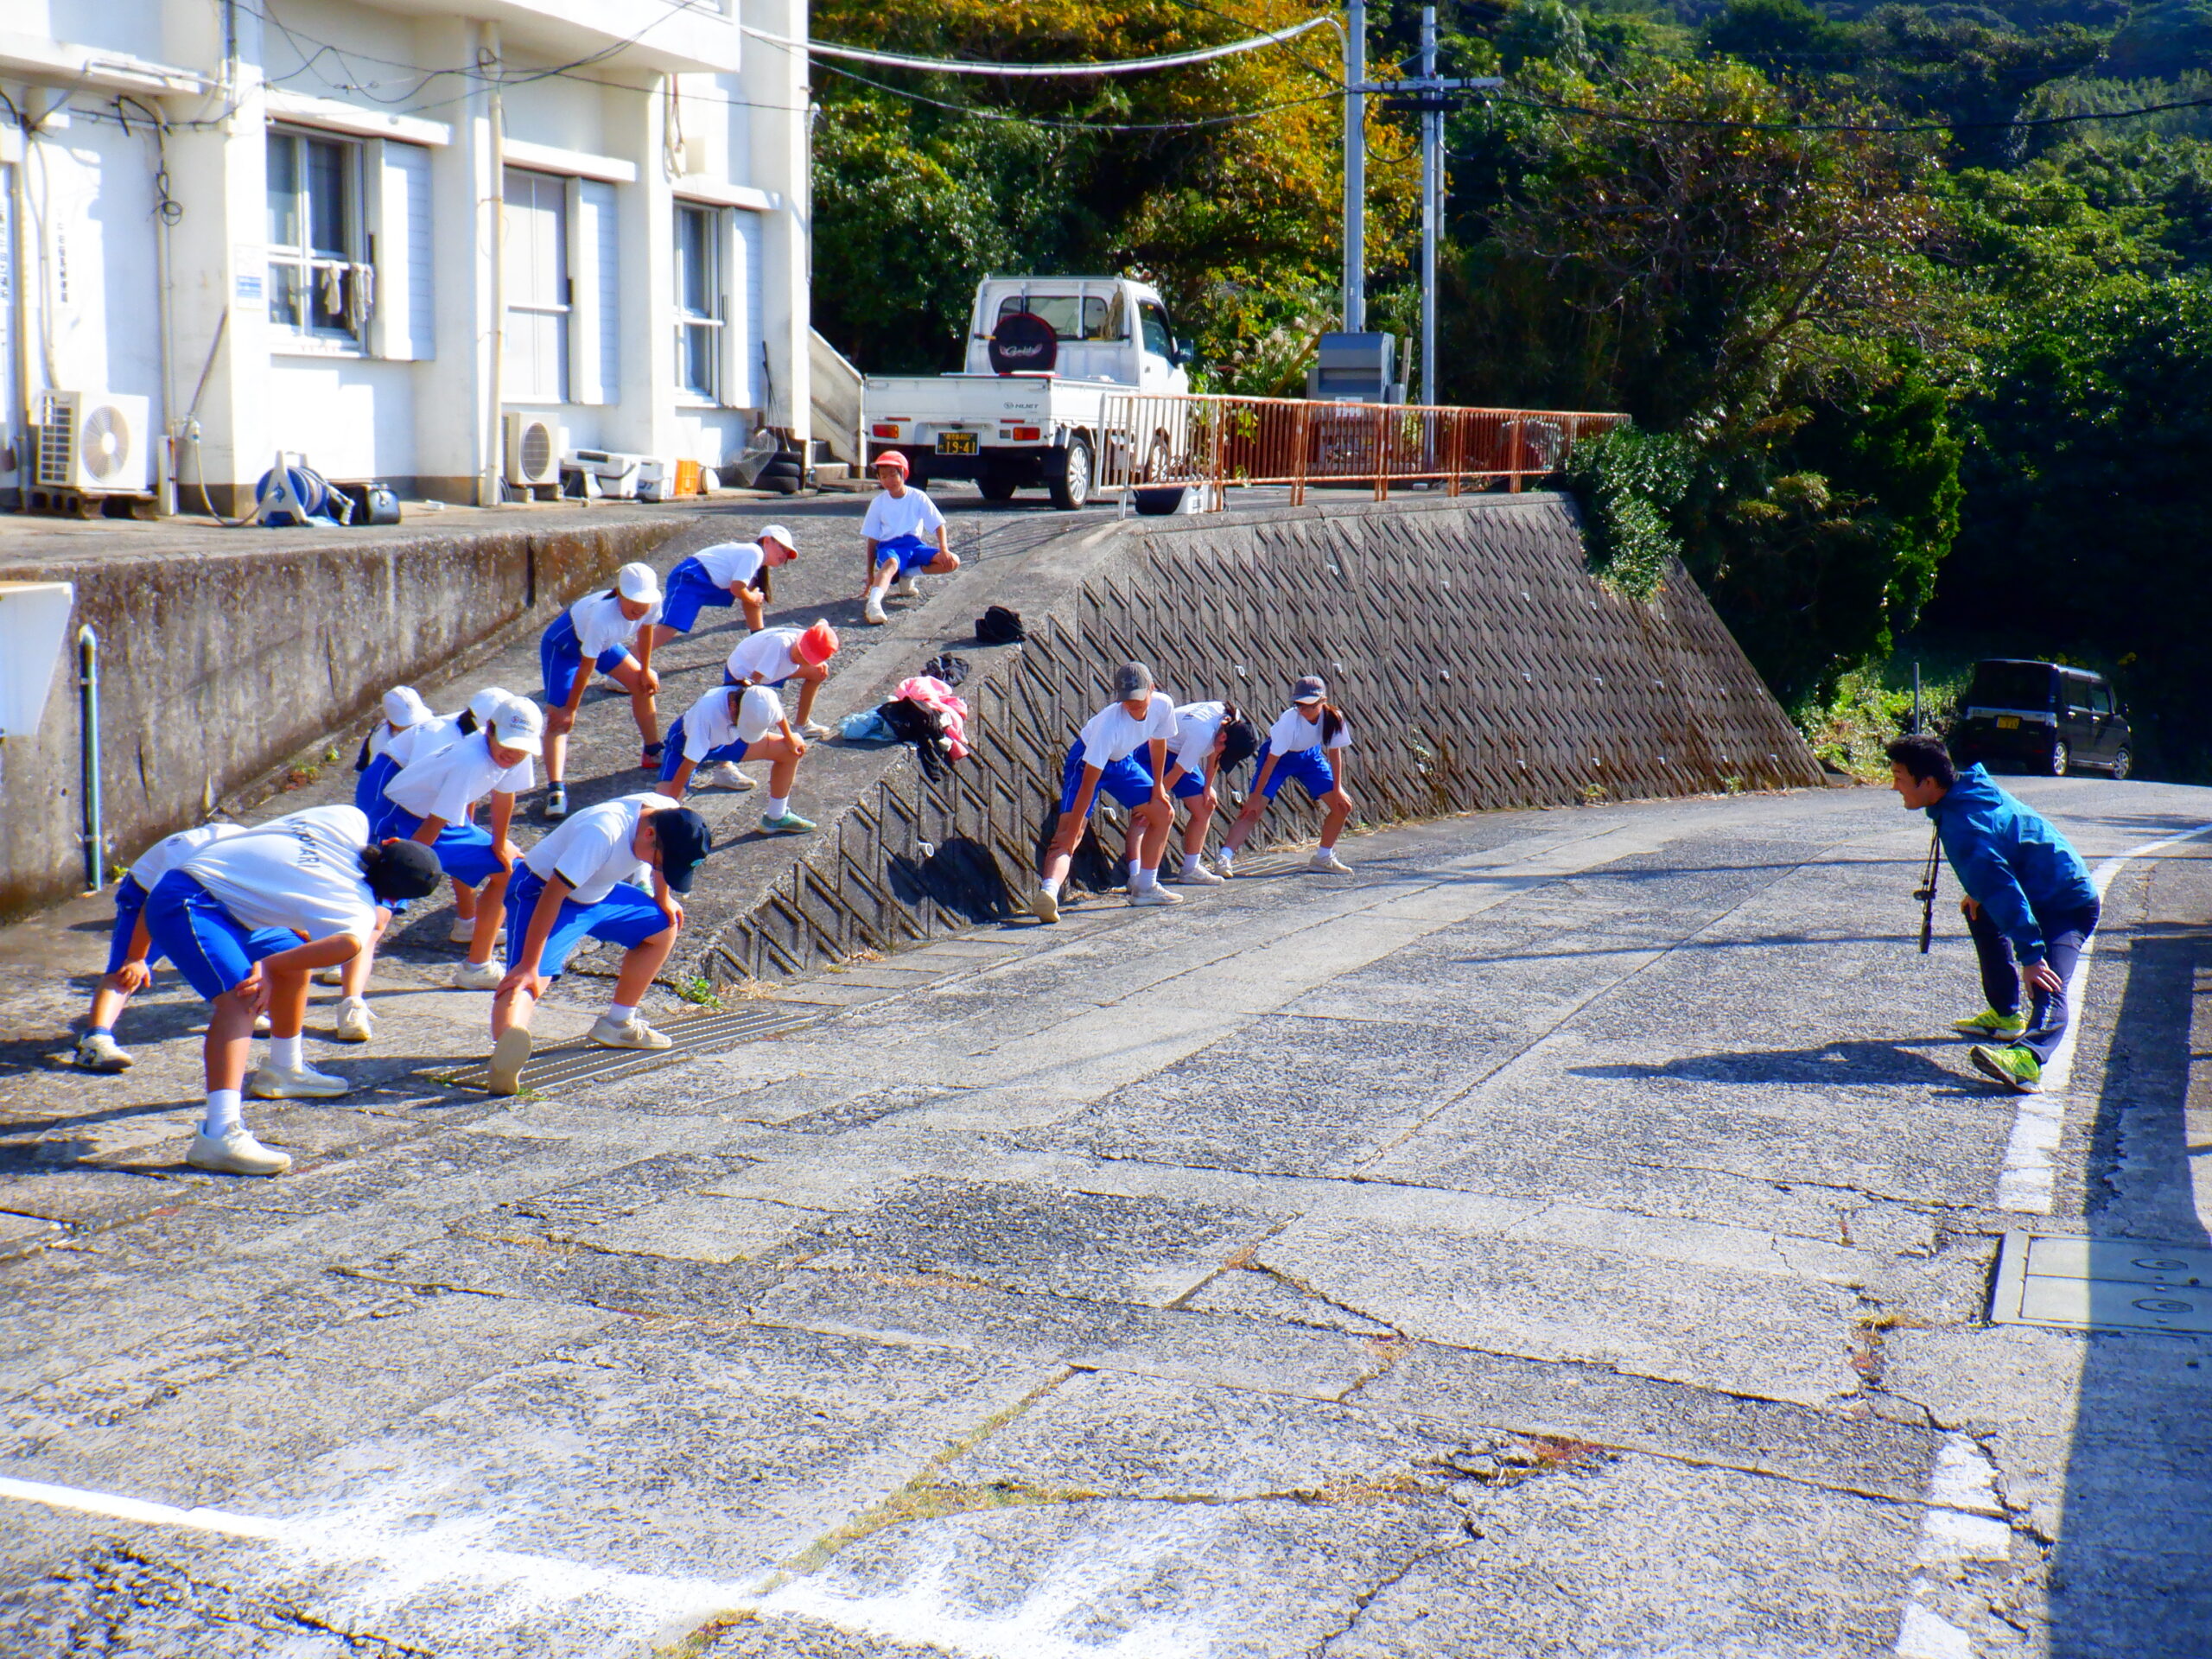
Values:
[(1625, 482)]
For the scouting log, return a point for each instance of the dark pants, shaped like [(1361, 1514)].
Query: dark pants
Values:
[(2063, 935)]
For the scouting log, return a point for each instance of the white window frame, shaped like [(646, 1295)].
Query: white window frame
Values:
[(302, 262), (715, 319)]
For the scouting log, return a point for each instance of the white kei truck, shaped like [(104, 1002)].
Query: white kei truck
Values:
[(1048, 358)]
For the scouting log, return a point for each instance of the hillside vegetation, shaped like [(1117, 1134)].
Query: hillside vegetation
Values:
[(1909, 303)]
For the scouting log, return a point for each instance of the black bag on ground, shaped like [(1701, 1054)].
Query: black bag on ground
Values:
[(951, 667), (1000, 626)]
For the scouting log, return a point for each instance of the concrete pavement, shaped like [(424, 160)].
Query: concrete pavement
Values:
[(1570, 1234)]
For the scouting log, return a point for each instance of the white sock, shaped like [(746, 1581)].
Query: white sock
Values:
[(222, 1113), (288, 1053), (1141, 879), (778, 806), (1227, 854), (1190, 862), (1136, 875), (1050, 884), (622, 1013)]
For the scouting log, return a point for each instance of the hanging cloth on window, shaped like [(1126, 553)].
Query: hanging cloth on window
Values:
[(360, 298), (333, 277)]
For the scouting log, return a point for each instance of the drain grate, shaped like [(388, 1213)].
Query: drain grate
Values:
[(2103, 1284), (693, 1035)]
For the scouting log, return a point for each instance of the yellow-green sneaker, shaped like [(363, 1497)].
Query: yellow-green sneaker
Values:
[(1990, 1023), (2015, 1068)]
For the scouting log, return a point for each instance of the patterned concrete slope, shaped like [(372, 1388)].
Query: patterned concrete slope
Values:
[(1480, 663)]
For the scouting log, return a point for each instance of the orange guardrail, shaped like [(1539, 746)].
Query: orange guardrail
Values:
[(1156, 439)]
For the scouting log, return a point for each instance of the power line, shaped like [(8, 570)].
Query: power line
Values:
[(2017, 123), (969, 66), (1191, 124)]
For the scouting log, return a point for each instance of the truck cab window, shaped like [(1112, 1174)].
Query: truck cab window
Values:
[(1159, 339), (1072, 316)]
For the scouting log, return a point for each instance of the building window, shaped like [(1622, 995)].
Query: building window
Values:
[(320, 284), (699, 306), (538, 297)]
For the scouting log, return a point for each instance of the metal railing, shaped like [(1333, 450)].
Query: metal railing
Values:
[(1156, 440)]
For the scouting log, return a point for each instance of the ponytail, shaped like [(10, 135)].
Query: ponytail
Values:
[(468, 728), (1332, 723)]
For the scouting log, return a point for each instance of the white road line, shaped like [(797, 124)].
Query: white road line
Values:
[(2030, 1177), (133, 1509), (1963, 1523)]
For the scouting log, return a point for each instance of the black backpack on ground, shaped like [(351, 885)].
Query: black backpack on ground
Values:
[(1000, 626), (951, 667)]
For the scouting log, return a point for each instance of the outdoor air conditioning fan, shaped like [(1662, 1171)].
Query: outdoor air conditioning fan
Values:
[(93, 442), (533, 450)]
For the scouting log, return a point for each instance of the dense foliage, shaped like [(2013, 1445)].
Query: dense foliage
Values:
[(1907, 301)]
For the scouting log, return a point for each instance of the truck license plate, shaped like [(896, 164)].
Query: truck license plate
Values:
[(2008, 722), (955, 443)]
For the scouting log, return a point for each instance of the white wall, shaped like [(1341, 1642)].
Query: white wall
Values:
[(89, 232)]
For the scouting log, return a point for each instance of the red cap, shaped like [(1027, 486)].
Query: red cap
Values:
[(891, 458), (817, 645)]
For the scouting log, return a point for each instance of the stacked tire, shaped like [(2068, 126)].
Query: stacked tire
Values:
[(785, 475)]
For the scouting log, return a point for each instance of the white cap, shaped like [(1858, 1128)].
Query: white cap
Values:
[(518, 723), (485, 703), (777, 533), (637, 582), (403, 707)]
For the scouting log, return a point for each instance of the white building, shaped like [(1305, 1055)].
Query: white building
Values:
[(280, 223)]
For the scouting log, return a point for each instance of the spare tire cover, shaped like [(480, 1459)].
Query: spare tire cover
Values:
[(1024, 342)]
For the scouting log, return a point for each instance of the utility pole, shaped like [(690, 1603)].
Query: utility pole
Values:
[(1355, 167), (1432, 206)]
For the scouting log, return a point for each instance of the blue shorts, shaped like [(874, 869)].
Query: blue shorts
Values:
[(1127, 780), (690, 589), (1190, 785), (368, 788), (626, 917), (560, 658), (773, 685), (910, 553), (211, 948), (1310, 767), (129, 900), (672, 755), (464, 851)]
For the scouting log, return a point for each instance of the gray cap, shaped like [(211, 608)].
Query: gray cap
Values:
[(1312, 688), (1131, 681)]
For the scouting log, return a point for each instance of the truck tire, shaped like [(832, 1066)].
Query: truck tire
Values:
[(997, 483), (1067, 474)]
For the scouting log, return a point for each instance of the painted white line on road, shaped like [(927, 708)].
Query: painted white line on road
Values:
[(2029, 1182), (1964, 1522), (133, 1509)]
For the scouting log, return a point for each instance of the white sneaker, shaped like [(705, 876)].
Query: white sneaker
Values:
[(872, 610), (815, 732), (1044, 905), (1197, 876), (1326, 860), (98, 1050), (509, 1055), (330, 975), (261, 1025), (727, 775), (632, 1033), (236, 1154), (306, 1084), (904, 588), (1155, 894), (462, 931), (355, 1024), (478, 976)]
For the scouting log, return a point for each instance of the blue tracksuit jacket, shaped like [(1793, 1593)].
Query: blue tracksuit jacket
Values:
[(2010, 860)]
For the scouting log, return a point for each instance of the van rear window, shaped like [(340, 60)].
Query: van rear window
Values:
[(1072, 317), (2011, 685)]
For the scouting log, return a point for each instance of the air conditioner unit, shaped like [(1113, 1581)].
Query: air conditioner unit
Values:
[(612, 467), (533, 450), (93, 442)]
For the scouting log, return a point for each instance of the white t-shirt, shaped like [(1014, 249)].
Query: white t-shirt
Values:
[(768, 656), (447, 783), (302, 870), (422, 740), (1111, 735), (381, 739), (1292, 732), (165, 854), (590, 850), (727, 563), (1196, 725), (601, 627), (708, 725), (912, 514)]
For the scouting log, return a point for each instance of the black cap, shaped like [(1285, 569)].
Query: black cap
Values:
[(685, 841), (402, 869)]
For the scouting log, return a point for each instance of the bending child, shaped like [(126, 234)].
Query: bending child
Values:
[(601, 627), (1300, 744), (732, 723), (1139, 718)]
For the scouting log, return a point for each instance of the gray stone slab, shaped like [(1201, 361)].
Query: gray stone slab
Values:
[(1257, 1294), (399, 1172), (1849, 1449), (1776, 1336), (1627, 1555), (752, 1635), (627, 1284), (1233, 1351), (631, 1187), (692, 1227)]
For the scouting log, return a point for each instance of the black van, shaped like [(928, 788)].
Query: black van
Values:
[(2042, 717)]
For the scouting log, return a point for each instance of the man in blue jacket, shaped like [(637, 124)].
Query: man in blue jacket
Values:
[(2029, 896)]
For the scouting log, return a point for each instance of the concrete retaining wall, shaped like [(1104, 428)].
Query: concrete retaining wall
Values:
[(1481, 665), (217, 665)]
